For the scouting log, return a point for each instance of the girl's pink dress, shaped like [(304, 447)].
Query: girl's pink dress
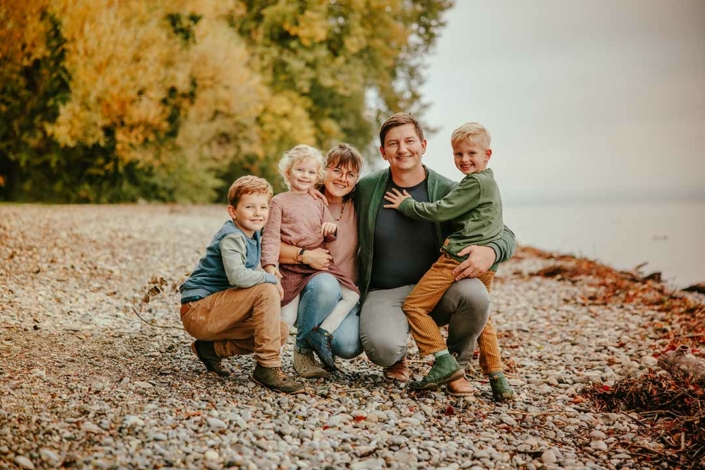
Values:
[(296, 219)]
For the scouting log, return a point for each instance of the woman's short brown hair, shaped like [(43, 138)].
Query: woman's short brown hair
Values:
[(345, 156)]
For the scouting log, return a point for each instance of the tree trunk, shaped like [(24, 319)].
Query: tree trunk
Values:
[(681, 364)]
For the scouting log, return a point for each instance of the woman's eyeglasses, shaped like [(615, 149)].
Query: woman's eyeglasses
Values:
[(349, 175)]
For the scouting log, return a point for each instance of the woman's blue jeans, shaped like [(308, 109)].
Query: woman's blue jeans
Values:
[(317, 301)]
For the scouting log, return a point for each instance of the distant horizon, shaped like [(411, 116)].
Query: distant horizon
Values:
[(618, 197), (584, 100)]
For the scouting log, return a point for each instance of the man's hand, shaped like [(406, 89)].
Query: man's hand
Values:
[(281, 290), (320, 258), (271, 269), (480, 259), (318, 195), (328, 228), (396, 198)]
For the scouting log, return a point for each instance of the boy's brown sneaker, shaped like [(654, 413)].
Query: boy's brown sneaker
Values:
[(305, 365), (274, 378), (206, 353)]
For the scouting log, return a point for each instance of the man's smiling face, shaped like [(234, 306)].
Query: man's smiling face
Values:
[(403, 149)]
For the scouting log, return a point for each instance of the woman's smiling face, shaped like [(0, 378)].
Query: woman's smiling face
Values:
[(340, 181)]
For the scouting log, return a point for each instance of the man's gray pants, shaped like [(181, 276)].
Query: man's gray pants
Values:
[(384, 328)]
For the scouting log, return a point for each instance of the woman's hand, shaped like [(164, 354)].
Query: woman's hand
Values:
[(318, 195), (328, 228), (396, 198), (319, 258), (480, 259)]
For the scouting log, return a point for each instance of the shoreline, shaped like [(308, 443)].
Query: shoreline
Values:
[(83, 381)]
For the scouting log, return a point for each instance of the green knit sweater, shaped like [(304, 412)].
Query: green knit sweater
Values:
[(473, 210), (368, 201)]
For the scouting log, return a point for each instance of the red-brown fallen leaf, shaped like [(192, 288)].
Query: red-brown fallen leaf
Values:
[(606, 388), (359, 418), (450, 411), (325, 427)]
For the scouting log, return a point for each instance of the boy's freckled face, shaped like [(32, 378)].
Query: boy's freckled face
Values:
[(251, 213), (470, 158)]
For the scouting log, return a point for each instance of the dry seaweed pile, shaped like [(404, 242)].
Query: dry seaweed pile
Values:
[(669, 411), (604, 285)]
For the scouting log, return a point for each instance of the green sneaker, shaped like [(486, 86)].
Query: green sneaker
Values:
[(274, 378), (501, 390), (444, 370)]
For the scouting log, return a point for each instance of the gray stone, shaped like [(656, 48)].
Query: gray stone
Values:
[(598, 445), (24, 462), (508, 420), (405, 457), (50, 457), (216, 424), (548, 457)]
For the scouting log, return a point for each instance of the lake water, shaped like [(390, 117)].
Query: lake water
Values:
[(669, 236)]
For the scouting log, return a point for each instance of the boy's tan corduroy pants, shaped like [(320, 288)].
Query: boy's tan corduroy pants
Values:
[(240, 321), (423, 299)]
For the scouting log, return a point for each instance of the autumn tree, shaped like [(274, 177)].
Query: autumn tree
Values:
[(168, 100)]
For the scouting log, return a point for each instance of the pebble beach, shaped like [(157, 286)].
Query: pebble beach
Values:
[(86, 382)]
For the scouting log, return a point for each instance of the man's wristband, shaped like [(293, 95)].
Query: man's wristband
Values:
[(300, 257)]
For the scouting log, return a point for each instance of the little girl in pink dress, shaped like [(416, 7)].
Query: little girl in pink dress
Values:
[(299, 219)]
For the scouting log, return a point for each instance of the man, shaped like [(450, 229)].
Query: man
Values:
[(396, 251)]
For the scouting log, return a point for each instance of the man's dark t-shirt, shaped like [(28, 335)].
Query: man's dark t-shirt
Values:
[(404, 249)]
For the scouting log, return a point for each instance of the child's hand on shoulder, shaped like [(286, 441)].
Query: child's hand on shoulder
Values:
[(328, 228), (396, 198), (318, 195)]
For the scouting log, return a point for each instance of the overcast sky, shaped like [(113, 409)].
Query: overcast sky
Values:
[(583, 98)]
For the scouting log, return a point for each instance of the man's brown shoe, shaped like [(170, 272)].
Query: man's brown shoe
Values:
[(460, 388), (206, 353), (306, 366), (398, 371), (274, 378)]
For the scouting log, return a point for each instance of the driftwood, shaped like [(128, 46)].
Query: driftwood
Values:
[(699, 288), (681, 364)]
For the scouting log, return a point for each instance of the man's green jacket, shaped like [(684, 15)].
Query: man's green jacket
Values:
[(368, 200)]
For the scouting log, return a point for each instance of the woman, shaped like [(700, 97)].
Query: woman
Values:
[(322, 292)]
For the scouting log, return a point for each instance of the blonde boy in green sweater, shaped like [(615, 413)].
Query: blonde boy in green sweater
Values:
[(474, 209)]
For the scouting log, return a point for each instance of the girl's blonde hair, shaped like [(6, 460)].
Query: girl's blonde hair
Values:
[(298, 154)]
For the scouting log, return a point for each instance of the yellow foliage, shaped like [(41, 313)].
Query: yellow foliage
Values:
[(22, 34), (311, 27), (128, 72), (229, 97), (159, 98), (285, 122)]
